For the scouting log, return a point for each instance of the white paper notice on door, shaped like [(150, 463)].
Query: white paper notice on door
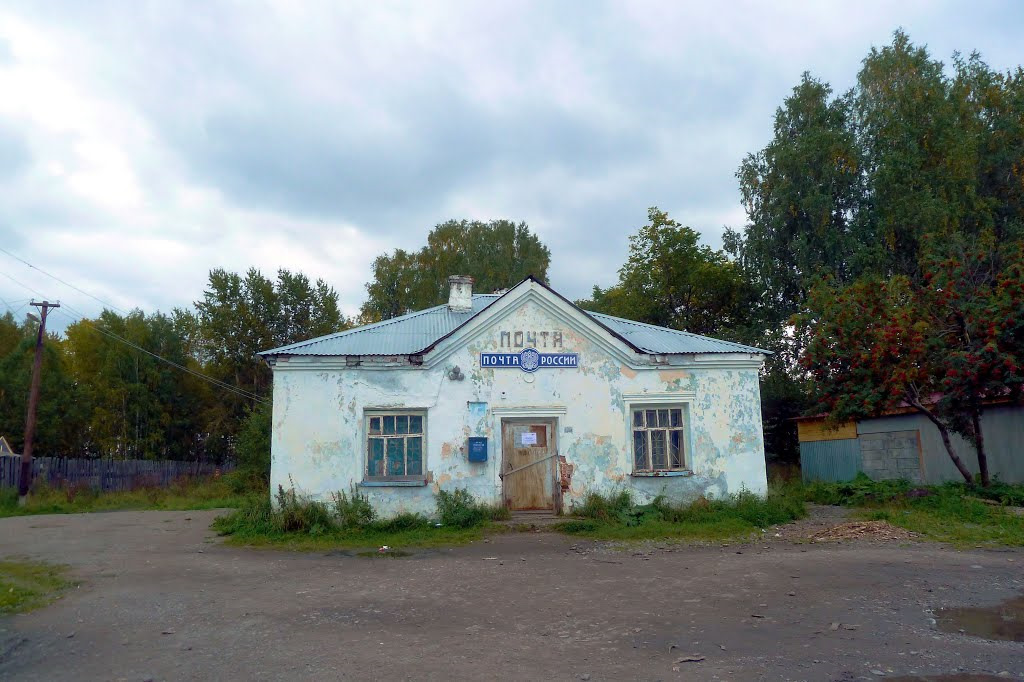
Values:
[(528, 438)]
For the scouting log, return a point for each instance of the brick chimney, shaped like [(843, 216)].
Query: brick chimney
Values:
[(460, 299)]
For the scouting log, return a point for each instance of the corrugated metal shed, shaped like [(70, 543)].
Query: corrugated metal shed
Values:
[(415, 332), (830, 460)]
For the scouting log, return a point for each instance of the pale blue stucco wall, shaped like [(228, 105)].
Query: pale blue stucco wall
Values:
[(318, 444)]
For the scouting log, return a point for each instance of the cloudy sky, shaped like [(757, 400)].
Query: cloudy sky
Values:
[(144, 143)]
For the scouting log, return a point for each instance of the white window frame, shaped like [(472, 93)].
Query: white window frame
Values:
[(665, 401), (367, 435)]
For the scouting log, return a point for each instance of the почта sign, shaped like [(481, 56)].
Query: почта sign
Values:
[(529, 360)]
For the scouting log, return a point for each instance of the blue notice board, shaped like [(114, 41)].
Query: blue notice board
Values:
[(477, 449)]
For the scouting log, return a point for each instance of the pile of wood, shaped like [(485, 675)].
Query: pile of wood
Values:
[(870, 530)]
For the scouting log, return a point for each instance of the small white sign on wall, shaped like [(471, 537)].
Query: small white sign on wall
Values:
[(528, 438)]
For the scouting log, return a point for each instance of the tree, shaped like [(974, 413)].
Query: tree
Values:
[(801, 194), (920, 152), (238, 317), (857, 185), (253, 446), (871, 351), (943, 346), (139, 407), (59, 423), (671, 280), (974, 295), (10, 334), (497, 254)]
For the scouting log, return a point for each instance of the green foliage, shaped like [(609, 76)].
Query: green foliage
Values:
[(238, 317), (863, 491), (912, 177), (860, 491), (352, 509), (184, 493), (957, 513), (801, 194), (458, 509), (59, 415), (28, 585), (497, 255), (405, 521), (671, 280), (135, 406), (253, 447), (297, 514), (942, 344), (101, 397), (616, 517), (605, 507), (296, 522)]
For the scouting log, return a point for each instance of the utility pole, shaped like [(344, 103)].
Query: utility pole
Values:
[(33, 401)]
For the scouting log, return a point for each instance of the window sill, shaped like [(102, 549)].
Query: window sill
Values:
[(418, 483), (662, 474)]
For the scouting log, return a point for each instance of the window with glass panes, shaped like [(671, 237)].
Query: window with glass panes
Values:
[(659, 440), (394, 445)]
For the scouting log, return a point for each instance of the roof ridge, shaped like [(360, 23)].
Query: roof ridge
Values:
[(674, 331)]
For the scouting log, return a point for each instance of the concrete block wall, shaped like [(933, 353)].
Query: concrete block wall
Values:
[(889, 455)]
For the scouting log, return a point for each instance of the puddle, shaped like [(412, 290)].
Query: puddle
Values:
[(1002, 621), (959, 677), (387, 554)]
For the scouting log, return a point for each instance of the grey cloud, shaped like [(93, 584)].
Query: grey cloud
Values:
[(308, 163)]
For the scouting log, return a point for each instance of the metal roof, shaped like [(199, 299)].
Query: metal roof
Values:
[(416, 332), (661, 340), (403, 335)]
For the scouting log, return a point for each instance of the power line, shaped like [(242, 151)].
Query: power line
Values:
[(23, 285), (216, 382), (82, 318), (81, 291)]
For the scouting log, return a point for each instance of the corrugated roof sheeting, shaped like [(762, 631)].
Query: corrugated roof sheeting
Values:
[(660, 340), (398, 336), (416, 331)]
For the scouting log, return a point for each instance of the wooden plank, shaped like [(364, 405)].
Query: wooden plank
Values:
[(528, 480), (811, 430)]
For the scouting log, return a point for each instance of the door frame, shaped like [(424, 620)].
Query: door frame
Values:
[(556, 481)]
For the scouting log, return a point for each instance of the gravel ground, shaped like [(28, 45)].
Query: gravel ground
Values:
[(162, 599)]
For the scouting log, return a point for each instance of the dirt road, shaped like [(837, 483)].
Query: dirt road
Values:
[(162, 599)]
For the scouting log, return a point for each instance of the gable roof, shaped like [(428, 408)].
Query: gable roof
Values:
[(417, 333), (5, 447)]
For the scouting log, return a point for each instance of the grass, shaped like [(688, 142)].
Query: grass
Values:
[(28, 585), (955, 513), (348, 522), (229, 490), (615, 517)]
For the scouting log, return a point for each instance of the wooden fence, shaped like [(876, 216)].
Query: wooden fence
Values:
[(105, 474)]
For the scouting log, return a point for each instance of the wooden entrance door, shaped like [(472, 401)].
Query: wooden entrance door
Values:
[(528, 465)]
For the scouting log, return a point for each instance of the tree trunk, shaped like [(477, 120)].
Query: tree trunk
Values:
[(980, 444), (944, 432)]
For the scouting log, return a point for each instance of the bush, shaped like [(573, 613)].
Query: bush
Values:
[(458, 509), (354, 509), (863, 491), (752, 509), (253, 445), (401, 522), (610, 508), (858, 492), (295, 514)]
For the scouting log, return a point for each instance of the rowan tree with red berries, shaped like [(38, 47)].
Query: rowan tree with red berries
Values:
[(943, 346)]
